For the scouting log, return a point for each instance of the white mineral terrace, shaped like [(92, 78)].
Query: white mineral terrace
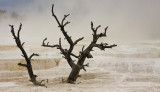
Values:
[(125, 68)]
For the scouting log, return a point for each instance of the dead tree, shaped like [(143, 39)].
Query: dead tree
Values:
[(85, 53), (28, 64)]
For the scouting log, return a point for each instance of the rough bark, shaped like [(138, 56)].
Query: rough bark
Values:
[(67, 53), (85, 53), (28, 64)]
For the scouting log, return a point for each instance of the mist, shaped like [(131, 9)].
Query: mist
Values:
[(128, 20)]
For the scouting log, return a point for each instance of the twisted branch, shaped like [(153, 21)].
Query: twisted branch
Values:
[(102, 46), (33, 55), (47, 45), (83, 66), (24, 65), (27, 59)]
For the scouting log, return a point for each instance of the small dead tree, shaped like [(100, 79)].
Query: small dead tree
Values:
[(85, 53), (28, 64)]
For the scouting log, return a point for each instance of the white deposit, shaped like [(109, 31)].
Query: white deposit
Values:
[(131, 67)]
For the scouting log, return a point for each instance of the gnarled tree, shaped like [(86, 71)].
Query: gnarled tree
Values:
[(85, 53), (28, 64)]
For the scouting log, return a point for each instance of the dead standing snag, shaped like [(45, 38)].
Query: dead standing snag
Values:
[(28, 64), (85, 53)]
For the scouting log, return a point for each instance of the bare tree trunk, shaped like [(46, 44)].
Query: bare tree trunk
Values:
[(68, 54), (76, 70), (31, 74), (86, 53), (28, 66), (73, 75), (27, 59)]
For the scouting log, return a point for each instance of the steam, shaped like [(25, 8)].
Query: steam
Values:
[(128, 20)]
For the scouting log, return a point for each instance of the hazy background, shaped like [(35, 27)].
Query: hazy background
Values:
[(128, 20)]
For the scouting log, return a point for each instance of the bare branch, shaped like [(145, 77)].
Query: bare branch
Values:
[(62, 26), (74, 55), (105, 30), (65, 16), (110, 46), (63, 51), (83, 66), (23, 43), (80, 53), (102, 46), (12, 31), (93, 29), (68, 38), (60, 42), (98, 27), (53, 9), (60, 47), (88, 55), (47, 45), (66, 23), (22, 55), (44, 41), (86, 65), (78, 40), (20, 27), (24, 65), (103, 34), (33, 55), (55, 15), (83, 48)]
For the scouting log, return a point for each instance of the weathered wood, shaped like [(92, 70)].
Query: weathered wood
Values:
[(85, 53), (24, 54)]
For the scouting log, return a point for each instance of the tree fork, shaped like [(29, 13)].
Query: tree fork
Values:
[(27, 59), (85, 53)]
